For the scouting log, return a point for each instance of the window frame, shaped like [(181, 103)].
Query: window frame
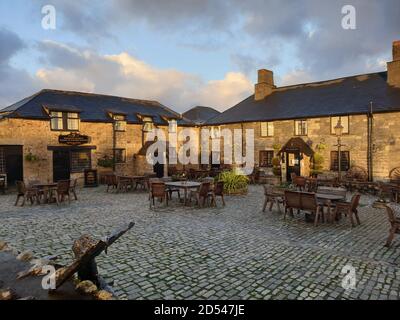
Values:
[(306, 127), (348, 125), (65, 117), (147, 121), (123, 155), (332, 162), (269, 163), (80, 169), (117, 121), (269, 135)]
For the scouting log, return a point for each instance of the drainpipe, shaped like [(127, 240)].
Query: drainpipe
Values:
[(370, 118), (114, 144)]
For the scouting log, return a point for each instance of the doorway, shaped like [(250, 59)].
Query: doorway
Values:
[(11, 163), (293, 164), (158, 169), (61, 165)]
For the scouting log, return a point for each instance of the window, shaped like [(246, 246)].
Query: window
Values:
[(343, 120), (215, 132), (344, 159), (2, 161), (266, 158), (120, 155), (300, 127), (64, 121), (147, 124), (172, 126), (267, 129), (119, 123), (80, 160)]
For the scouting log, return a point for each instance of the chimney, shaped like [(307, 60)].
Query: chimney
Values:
[(393, 67), (265, 84)]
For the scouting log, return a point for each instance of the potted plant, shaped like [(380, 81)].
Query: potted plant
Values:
[(234, 183), (30, 157), (317, 165), (105, 162)]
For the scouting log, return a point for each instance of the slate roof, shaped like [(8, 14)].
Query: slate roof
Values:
[(200, 114), (350, 95), (92, 107)]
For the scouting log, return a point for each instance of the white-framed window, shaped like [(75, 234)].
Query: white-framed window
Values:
[(344, 120), (172, 126), (267, 129), (148, 124), (119, 123), (64, 121), (300, 127)]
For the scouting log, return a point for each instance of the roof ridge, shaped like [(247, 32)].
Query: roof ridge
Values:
[(99, 94), (329, 80)]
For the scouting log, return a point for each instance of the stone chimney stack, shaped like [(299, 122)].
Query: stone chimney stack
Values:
[(393, 67), (265, 84)]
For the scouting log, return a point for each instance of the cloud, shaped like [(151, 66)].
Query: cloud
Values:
[(125, 75), (14, 82)]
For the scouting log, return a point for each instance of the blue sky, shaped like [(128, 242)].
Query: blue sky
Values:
[(187, 53)]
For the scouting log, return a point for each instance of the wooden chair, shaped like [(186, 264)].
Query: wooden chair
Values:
[(158, 190), (300, 182), (310, 204), (311, 185), (123, 184), (349, 208), (292, 201), (218, 191), (25, 193), (394, 225), (387, 191), (272, 198), (203, 192), (111, 181), (62, 190), (72, 188)]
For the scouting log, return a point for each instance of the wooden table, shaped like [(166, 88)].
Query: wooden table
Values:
[(47, 189), (185, 185), (329, 198)]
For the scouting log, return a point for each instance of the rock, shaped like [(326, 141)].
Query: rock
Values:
[(28, 298), (7, 294), (86, 287), (3, 245), (25, 256), (104, 295)]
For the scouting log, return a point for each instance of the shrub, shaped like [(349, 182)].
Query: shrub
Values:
[(318, 163), (105, 162), (233, 182)]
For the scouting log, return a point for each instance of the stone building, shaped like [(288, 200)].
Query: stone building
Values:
[(294, 122), (55, 135)]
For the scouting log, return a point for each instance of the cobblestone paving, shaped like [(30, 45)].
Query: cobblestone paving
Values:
[(236, 252)]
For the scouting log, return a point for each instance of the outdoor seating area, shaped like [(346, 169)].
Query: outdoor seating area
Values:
[(45, 193)]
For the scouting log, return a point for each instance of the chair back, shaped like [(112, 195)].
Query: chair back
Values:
[(355, 200), (268, 189), (312, 185), (299, 181), (158, 189), (391, 215), (293, 176), (63, 186), (308, 201), (292, 199), (204, 189), (219, 188), (21, 188)]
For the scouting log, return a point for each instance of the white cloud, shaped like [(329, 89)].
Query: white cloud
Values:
[(125, 75)]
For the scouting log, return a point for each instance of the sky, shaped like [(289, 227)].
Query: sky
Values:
[(185, 53)]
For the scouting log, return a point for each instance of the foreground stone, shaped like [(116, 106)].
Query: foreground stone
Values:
[(25, 256), (7, 294)]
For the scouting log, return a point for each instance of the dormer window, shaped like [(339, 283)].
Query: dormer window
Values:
[(147, 124), (64, 121), (119, 123), (172, 126)]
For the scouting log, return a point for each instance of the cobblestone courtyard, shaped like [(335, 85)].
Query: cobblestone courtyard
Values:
[(235, 252)]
